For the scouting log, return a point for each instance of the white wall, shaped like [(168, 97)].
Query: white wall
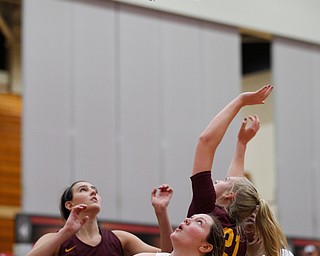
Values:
[(118, 95), (260, 153), (296, 67), (294, 19)]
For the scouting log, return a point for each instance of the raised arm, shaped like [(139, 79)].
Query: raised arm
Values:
[(245, 134), (160, 202), (49, 244), (211, 137), (134, 245)]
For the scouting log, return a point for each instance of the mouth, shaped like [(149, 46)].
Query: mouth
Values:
[(94, 199)]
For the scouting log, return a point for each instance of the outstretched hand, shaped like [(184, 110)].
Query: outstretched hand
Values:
[(161, 197), (257, 97), (74, 221), (247, 133)]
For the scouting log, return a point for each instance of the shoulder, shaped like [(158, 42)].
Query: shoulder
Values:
[(45, 238), (124, 236), (121, 233)]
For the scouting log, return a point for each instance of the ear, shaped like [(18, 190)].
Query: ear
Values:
[(68, 205), (205, 248)]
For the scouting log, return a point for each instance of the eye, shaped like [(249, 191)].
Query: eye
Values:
[(82, 189), (199, 222)]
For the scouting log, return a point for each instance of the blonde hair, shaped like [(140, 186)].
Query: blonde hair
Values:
[(268, 228), (245, 201)]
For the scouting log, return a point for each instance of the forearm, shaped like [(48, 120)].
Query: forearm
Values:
[(236, 167), (50, 243), (218, 126), (213, 134), (211, 137), (165, 229)]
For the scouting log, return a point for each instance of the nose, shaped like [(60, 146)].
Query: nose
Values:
[(93, 192)]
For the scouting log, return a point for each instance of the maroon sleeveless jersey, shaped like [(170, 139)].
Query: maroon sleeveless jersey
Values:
[(204, 201), (109, 245)]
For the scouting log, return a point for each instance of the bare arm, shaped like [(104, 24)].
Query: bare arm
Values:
[(49, 244), (160, 202), (211, 137), (245, 134), (132, 245)]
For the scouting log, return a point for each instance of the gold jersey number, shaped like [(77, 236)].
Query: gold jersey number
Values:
[(230, 239)]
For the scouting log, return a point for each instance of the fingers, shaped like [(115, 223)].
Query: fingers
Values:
[(78, 208), (244, 123), (161, 196), (256, 97), (265, 91), (84, 220), (154, 192), (269, 89), (165, 188), (247, 133), (75, 214), (255, 122), (255, 118)]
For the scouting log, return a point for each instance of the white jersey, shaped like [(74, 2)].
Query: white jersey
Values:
[(285, 252)]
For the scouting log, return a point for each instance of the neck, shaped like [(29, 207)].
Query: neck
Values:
[(89, 233), (185, 253), (89, 229)]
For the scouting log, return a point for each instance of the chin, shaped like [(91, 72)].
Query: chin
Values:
[(94, 207), (175, 236)]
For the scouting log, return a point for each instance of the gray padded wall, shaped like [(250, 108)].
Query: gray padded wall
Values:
[(296, 72), (118, 95)]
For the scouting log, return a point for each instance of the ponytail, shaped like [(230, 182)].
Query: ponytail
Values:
[(269, 230)]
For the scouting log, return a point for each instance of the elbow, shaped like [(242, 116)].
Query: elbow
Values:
[(203, 139), (208, 141)]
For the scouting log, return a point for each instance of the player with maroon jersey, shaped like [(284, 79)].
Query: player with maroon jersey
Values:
[(234, 199)]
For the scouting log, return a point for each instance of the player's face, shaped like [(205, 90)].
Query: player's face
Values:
[(221, 187), (193, 231), (85, 193)]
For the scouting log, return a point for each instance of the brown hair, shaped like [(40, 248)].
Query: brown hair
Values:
[(216, 238), (67, 195)]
